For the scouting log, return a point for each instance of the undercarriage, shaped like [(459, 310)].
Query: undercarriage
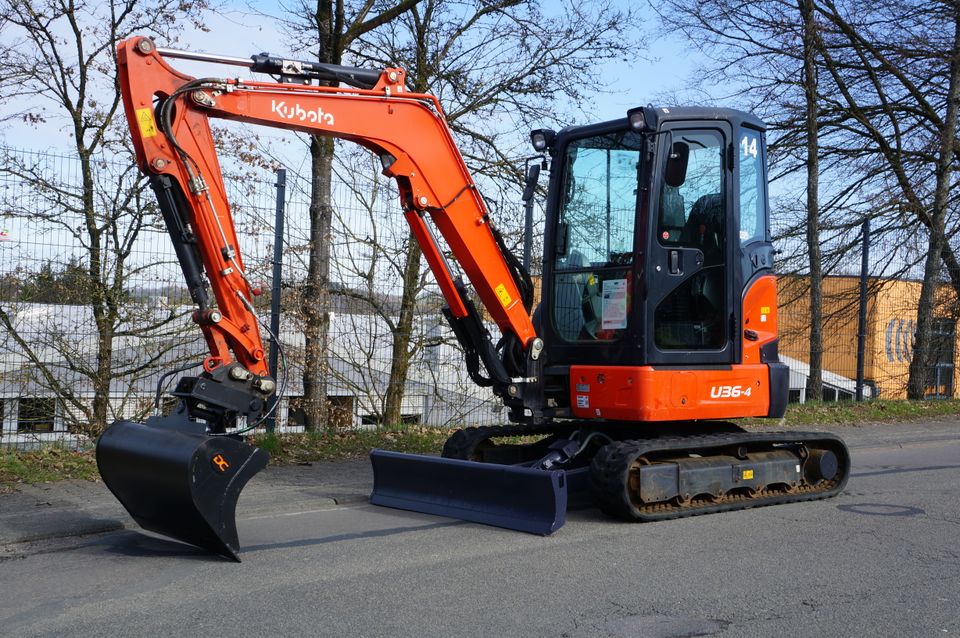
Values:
[(682, 469)]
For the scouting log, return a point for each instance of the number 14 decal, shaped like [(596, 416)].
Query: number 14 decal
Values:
[(748, 146)]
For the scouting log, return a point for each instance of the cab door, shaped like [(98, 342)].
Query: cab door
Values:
[(691, 316)]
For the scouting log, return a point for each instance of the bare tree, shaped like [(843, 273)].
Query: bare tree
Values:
[(868, 130), (498, 67), (768, 52), (897, 70), (810, 90), (58, 66), (326, 28)]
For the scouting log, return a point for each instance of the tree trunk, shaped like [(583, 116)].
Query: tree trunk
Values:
[(401, 336), (402, 353), (98, 299), (316, 302), (922, 360), (815, 378)]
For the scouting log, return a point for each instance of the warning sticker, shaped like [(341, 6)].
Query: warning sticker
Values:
[(503, 295), (145, 119), (583, 401), (747, 475), (614, 309)]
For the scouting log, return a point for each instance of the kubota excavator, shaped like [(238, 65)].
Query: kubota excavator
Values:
[(658, 318)]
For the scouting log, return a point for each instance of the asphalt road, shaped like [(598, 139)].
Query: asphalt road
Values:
[(882, 559)]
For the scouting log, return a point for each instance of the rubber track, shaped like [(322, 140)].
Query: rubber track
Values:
[(610, 470)]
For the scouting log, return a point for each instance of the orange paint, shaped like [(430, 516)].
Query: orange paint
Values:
[(411, 128)]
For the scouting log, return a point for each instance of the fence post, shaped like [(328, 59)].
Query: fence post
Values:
[(862, 322), (275, 294)]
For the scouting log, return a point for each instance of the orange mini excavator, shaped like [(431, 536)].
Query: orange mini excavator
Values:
[(658, 318)]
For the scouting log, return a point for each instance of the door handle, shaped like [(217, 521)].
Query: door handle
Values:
[(673, 262)]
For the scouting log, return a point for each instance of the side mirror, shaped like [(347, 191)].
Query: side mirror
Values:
[(562, 235), (533, 176), (676, 172)]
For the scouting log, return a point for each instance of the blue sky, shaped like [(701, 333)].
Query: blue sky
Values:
[(660, 69)]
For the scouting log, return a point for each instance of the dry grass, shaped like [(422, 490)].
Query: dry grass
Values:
[(49, 463), (54, 463)]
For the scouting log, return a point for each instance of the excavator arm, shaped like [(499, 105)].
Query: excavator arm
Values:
[(181, 474), (169, 115)]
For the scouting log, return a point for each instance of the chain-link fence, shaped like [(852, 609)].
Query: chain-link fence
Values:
[(869, 302)]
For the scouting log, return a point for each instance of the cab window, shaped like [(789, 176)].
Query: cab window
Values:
[(595, 237)]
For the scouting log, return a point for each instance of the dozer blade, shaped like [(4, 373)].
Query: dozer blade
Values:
[(176, 480), (510, 496)]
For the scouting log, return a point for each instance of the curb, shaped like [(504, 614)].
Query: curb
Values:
[(94, 527)]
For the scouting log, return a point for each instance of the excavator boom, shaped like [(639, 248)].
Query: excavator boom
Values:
[(407, 131)]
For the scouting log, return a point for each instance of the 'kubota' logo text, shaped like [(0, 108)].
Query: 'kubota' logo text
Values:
[(297, 112)]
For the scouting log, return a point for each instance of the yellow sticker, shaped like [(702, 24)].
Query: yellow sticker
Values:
[(145, 120), (747, 475), (764, 310), (503, 295)]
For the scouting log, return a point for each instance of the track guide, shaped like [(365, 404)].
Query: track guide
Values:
[(614, 485)]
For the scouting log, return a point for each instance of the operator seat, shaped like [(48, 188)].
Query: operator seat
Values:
[(568, 297), (704, 228)]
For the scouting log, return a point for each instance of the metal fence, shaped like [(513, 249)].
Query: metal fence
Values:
[(870, 296), (48, 332), (50, 350)]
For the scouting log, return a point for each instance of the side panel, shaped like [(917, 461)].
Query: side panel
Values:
[(760, 340), (647, 393), (759, 317)]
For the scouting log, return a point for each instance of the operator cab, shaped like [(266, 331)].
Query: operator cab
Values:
[(656, 226)]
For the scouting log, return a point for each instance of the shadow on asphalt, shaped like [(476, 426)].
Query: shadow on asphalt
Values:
[(136, 544), (336, 538)]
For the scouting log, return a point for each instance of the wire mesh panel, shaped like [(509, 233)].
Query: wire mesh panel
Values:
[(93, 307), (893, 281)]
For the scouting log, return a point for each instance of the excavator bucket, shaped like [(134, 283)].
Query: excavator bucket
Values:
[(510, 496), (176, 480)]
